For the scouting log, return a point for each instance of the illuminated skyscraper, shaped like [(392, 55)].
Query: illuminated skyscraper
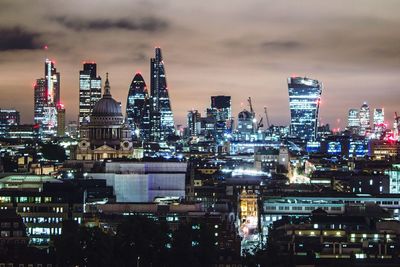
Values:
[(379, 121), (135, 105), (365, 123), (353, 120), (46, 97), (304, 99), (89, 91), (379, 117), (40, 100), (162, 119), (53, 81)]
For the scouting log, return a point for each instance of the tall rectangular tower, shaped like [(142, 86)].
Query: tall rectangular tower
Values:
[(46, 99), (365, 121), (40, 100), (89, 91), (379, 121), (49, 123), (193, 117), (353, 120), (304, 99)]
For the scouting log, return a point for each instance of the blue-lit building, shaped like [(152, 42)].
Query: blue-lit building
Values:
[(136, 105), (313, 147), (358, 148), (304, 99), (161, 117)]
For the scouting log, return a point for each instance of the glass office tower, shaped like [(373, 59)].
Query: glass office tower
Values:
[(89, 91), (365, 121), (162, 119), (135, 104), (304, 99), (46, 98)]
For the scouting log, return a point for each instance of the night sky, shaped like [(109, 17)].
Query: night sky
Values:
[(232, 47)]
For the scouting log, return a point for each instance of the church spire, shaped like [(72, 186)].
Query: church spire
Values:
[(107, 89)]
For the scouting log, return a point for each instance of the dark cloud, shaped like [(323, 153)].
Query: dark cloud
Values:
[(387, 51), (352, 46), (140, 57), (146, 24), (281, 45), (17, 38)]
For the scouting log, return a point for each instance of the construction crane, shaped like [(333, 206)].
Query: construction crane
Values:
[(266, 116), (251, 107), (260, 123), (253, 115)]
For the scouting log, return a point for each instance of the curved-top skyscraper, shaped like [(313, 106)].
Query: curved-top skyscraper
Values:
[(162, 119), (135, 104), (304, 98)]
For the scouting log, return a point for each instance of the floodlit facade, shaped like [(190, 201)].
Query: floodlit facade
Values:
[(145, 181), (89, 91), (60, 120), (304, 100), (106, 135)]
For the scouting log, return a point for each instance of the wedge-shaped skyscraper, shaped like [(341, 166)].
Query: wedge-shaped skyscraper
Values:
[(161, 117)]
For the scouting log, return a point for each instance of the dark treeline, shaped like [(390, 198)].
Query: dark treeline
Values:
[(138, 241)]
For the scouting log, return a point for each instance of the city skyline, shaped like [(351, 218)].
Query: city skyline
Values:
[(354, 58)]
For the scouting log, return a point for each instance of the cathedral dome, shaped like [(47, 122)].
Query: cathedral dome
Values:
[(107, 106)]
